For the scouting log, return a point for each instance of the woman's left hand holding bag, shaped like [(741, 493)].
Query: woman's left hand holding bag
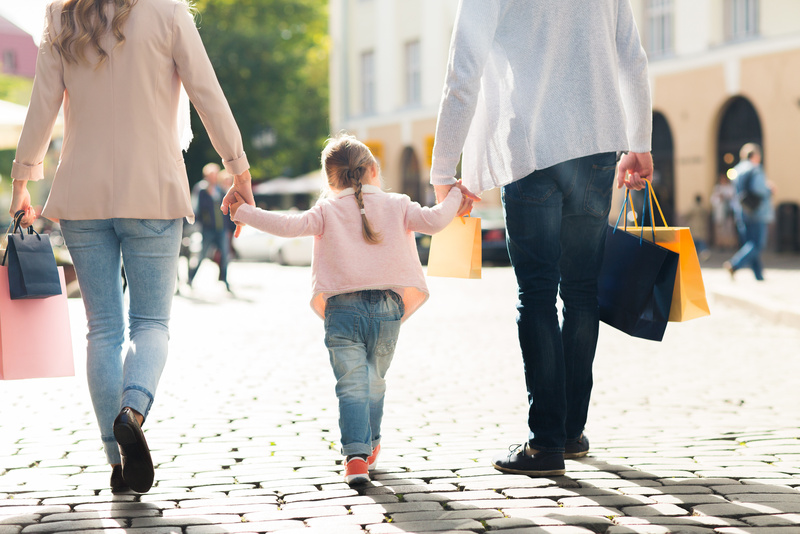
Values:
[(21, 200)]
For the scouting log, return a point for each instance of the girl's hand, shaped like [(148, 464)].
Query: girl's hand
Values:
[(234, 206), (21, 200)]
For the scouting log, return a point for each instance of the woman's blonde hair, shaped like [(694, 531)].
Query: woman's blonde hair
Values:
[(84, 23), (345, 161)]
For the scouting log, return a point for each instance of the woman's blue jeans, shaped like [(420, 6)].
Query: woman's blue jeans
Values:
[(148, 248), (361, 332), (556, 221)]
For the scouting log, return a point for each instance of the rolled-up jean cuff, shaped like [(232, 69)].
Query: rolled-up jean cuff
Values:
[(375, 443), (138, 399), (111, 448), (352, 449)]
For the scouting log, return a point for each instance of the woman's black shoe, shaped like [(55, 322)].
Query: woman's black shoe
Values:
[(137, 465), (118, 484)]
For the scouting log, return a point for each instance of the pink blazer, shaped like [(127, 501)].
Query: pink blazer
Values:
[(121, 155)]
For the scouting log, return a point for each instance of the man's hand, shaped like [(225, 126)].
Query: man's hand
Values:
[(634, 170), (241, 186)]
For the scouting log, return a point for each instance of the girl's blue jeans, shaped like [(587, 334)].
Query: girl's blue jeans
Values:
[(149, 250), (361, 332), (556, 221)]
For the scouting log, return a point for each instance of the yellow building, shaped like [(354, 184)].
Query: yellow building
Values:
[(723, 72)]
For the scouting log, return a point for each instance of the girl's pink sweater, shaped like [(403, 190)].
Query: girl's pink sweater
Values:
[(342, 261)]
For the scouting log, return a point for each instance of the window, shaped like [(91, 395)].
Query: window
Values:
[(9, 61), (413, 74), (368, 82), (659, 14), (741, 19)]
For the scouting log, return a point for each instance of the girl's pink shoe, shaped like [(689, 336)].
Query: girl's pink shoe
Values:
[(372, 461), (355, 471)]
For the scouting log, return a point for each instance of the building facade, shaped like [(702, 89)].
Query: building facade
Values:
[(723, 73), (17, 50)]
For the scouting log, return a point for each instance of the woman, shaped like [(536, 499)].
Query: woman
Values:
[(121, 190)]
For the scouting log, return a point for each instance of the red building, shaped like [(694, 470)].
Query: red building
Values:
[(17, 50)]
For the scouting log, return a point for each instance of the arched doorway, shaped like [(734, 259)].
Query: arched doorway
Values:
[(664, 166), (410, 172), (739, 125)]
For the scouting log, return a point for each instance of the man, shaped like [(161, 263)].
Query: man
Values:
[(754, 210), (212, 221), (541, 96)]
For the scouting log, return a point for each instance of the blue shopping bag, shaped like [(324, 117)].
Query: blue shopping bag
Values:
[(636, 281)]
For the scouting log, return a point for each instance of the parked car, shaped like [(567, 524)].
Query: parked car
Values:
[(255, 245), (493, 238)]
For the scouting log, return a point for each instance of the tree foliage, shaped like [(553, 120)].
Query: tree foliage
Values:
[(271, 58)]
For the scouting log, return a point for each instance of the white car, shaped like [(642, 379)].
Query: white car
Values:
[(255, 245)]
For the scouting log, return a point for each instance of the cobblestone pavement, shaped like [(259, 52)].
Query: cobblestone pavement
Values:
[(699, 433)]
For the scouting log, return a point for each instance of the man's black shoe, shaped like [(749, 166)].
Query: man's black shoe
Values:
[(118, 484), (523, 460), (576, 449), (137, 465)]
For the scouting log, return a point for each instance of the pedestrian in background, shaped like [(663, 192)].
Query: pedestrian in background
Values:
[(208, 194), (755, 212), (367, 279), (722, 198), (698, 220), (121, 190), (541, 96)]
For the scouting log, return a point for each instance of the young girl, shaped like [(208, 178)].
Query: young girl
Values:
[(367, 279)]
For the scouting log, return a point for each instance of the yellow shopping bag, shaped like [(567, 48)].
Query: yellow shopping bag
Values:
[(689, 296), (456, 250)]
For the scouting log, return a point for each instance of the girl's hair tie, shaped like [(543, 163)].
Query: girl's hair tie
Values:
[(350, 175), (363, 212)]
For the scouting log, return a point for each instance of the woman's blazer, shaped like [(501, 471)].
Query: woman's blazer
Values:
[(121, 155)]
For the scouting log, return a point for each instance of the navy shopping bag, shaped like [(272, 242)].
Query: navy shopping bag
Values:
[(636, 282), (32, 270)]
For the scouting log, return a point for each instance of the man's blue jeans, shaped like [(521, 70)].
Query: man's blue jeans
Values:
[(755, 239), (149, 250), (361, 332), (556, 221)]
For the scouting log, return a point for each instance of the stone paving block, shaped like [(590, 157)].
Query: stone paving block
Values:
[(606, 500), (88, 500), (596, 523), (477, 514), (125, 505), (398, 507), (751, 488), (426, 526), (504, 504), (773, 520), (199, 519), (238, 528), (230, 501), (697, 481), (32, 509), (26, 519), (331, 529), (66, 526), (690, 499), (106, 514), (237, 509), (345, 520), (10, 529), (296, 513), (758, 530), (557, 492), (412, 488), (657, 529), (555, 529), (734, 509), (465, 495), (680, 521), (319, 495), (7, 501), (761, 497), (666, 490), (654, 510)]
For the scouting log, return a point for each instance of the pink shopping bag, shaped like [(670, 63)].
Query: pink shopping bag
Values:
[(35, 338)]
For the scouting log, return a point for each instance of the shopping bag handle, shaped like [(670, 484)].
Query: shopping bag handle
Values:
[(18, 221), (624, 210)]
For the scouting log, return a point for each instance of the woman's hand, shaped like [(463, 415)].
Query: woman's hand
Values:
[(241, 186), (21, 200)]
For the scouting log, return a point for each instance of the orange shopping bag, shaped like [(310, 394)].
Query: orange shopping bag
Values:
[(689, 296), (35, 339), (456, 250)]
